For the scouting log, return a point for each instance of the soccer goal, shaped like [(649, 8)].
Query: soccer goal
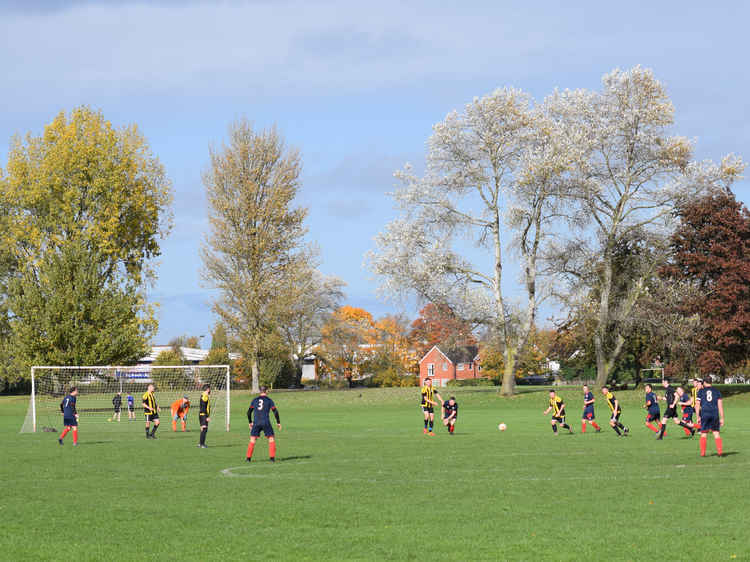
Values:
[(98, 386)]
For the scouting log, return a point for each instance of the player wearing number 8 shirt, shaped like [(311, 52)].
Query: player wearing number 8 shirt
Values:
[(262, 405), (710, 408)]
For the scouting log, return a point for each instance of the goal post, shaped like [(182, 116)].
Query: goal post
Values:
[(98, 386)]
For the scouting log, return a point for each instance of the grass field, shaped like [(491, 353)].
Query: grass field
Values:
[(358, 480)]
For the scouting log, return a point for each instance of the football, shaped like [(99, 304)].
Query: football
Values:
[(502, 427)]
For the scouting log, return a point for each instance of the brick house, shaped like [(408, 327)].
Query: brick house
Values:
[(441, 366)]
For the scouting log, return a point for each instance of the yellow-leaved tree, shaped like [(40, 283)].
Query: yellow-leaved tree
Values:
[(83, 208)]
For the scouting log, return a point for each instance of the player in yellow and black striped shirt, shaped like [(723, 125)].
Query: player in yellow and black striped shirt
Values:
[(204, 414), (428, 404), (151, 411), (557, 406), (614, 407)]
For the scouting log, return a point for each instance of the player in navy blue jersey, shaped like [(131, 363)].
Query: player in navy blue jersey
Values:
[(686, 403), (70, 416), (653, 414), (450, 414), (131, 407), (588, 410), (262, 405), (710, 409), (670, 412)]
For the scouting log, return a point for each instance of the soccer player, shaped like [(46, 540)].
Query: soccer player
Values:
[(557, 406), (204, 414), (710, 408), (653, 414), (151, 411), (131, 407), (70, 416), (588, 410), (179, 410), (616, 409), (428, 405), (670, 397), (696, 385), (450, 414), (117, 403), (686, 402), (262, 405)]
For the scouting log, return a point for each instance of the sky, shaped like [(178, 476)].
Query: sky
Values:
[(355, 86)]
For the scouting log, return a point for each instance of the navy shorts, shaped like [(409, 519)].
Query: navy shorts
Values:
[(588, 414), (265, 428), (710, 423), (652, 416), (70, 421)]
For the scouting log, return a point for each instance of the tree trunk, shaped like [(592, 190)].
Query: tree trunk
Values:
[(254, 367), (509, 366)]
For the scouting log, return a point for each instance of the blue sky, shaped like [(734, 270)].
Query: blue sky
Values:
[(355, 86)]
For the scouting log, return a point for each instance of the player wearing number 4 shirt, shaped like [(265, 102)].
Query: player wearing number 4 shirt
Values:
[(710, 409), (262, 405)]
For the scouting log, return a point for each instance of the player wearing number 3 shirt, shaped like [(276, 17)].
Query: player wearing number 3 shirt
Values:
[(262, 405)]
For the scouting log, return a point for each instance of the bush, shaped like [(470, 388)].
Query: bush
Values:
[(471, 382)]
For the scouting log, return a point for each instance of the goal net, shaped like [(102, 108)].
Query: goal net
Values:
[(98, 387)]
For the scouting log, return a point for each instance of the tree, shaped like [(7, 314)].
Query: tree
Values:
[(438, 325), (348, 341), (711, 252), (256, 238), (169, 379), (498, 149), (315, 298), (88, 203), (629, 175)]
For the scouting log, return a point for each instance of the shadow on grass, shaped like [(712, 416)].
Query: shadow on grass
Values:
[(729, 453), (294, 458)]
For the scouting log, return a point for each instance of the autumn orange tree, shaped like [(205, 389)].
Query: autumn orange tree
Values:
[(348, 341), (438, 325)]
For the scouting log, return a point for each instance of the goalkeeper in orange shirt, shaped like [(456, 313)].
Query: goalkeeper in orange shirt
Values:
[(180, 409)]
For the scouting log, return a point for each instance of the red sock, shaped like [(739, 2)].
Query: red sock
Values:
[(686, 430), (250, 448), (718, 445), (652, 427), (583, 427), (596, 425), (64, 433), (75, 436), (272, 449), (703, 444)]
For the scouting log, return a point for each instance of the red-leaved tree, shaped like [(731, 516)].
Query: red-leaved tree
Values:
[(711, 250)]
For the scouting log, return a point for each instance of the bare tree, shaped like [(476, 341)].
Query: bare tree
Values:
[(481, 170), (629, 175), (256, 239), (316, 297)]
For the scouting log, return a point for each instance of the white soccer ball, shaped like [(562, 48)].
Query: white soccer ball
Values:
[(502, 427)]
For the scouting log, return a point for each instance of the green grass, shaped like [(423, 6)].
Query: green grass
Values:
[(358, 480)]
